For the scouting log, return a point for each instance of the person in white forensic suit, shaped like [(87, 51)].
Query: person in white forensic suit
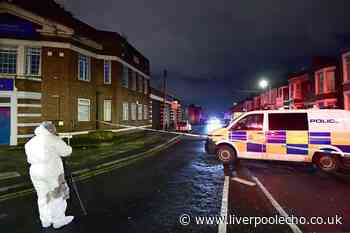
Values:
[(44, 152)]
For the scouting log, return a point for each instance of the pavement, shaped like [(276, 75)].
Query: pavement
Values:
[(84, 164), (184, 183)]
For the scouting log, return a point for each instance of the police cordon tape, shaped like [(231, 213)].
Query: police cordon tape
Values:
[(206, 136)]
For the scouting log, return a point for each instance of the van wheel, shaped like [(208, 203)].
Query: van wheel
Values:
[(327, 162), (226, 154)]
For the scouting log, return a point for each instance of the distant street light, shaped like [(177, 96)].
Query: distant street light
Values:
[(263, 83)]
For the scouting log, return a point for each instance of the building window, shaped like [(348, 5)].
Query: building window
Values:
[(107, 71), (133, 111), (84, 68), (320, 83), (33, 60), (347, 101), (107, 110), (83, 109), (125, 77), (134, 80), (125, 111), (347, 66), (8, 60), (145, 112), (139, 112), (298, 90), (145, 86), (140, 81), (136, 60), (331, 81)]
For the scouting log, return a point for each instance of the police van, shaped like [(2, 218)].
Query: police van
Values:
[(314, 136)]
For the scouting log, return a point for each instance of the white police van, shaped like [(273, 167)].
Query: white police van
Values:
[(314, 136)]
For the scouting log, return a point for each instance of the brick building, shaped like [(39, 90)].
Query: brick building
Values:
[(300, 87), (257, 102), (282, 97), (55, 67), (328, 87), (345, 78), (195, 114), (248, 105), (268, 99), (165, 113)]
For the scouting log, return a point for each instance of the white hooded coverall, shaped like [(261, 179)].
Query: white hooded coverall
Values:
[(44, 152)]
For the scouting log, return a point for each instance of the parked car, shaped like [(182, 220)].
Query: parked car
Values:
[(184, 126), (314, 136)]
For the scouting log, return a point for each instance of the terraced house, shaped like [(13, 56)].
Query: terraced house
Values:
[(55, 67)]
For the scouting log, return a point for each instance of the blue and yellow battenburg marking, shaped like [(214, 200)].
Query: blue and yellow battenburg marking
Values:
[(289, 142), (240, 140)]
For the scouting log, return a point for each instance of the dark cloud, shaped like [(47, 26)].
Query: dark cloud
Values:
[(213, 48)]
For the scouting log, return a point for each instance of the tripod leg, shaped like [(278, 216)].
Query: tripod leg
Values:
[(75, 188)]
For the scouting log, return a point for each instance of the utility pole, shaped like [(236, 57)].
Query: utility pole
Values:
[(165, 73)]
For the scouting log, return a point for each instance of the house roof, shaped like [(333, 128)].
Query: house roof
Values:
[(298, 74), (53, 11), (160, 93)]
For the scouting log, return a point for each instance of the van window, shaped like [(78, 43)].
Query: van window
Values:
[(250, 122), (288, 121)]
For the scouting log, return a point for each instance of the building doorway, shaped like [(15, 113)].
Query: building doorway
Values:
[(5, 125)]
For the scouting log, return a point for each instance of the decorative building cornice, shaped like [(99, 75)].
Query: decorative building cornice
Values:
[(49, 27)]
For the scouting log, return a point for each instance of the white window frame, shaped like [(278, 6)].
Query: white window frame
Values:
[(346, 63), (10, 50), (107, 79), (87, 66), (81, 103), (347, 100), (28, 59), (133, 111), (107, 110), (145, 111), (139, 112), (321, 75), (125, 111), (330, 81)]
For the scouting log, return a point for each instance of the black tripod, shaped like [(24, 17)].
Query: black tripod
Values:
[(71, 183)]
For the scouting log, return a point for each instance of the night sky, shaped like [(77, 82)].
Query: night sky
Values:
[(216, 51)]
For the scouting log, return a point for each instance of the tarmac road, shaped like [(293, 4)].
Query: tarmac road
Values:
[(148, 196), (300, 190)]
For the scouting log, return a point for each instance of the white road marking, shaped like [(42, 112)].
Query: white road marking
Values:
[(243, 181), (224, 205), (275, 204)]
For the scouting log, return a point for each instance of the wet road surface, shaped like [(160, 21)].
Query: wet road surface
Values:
[(148, 196), (300, 190)]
